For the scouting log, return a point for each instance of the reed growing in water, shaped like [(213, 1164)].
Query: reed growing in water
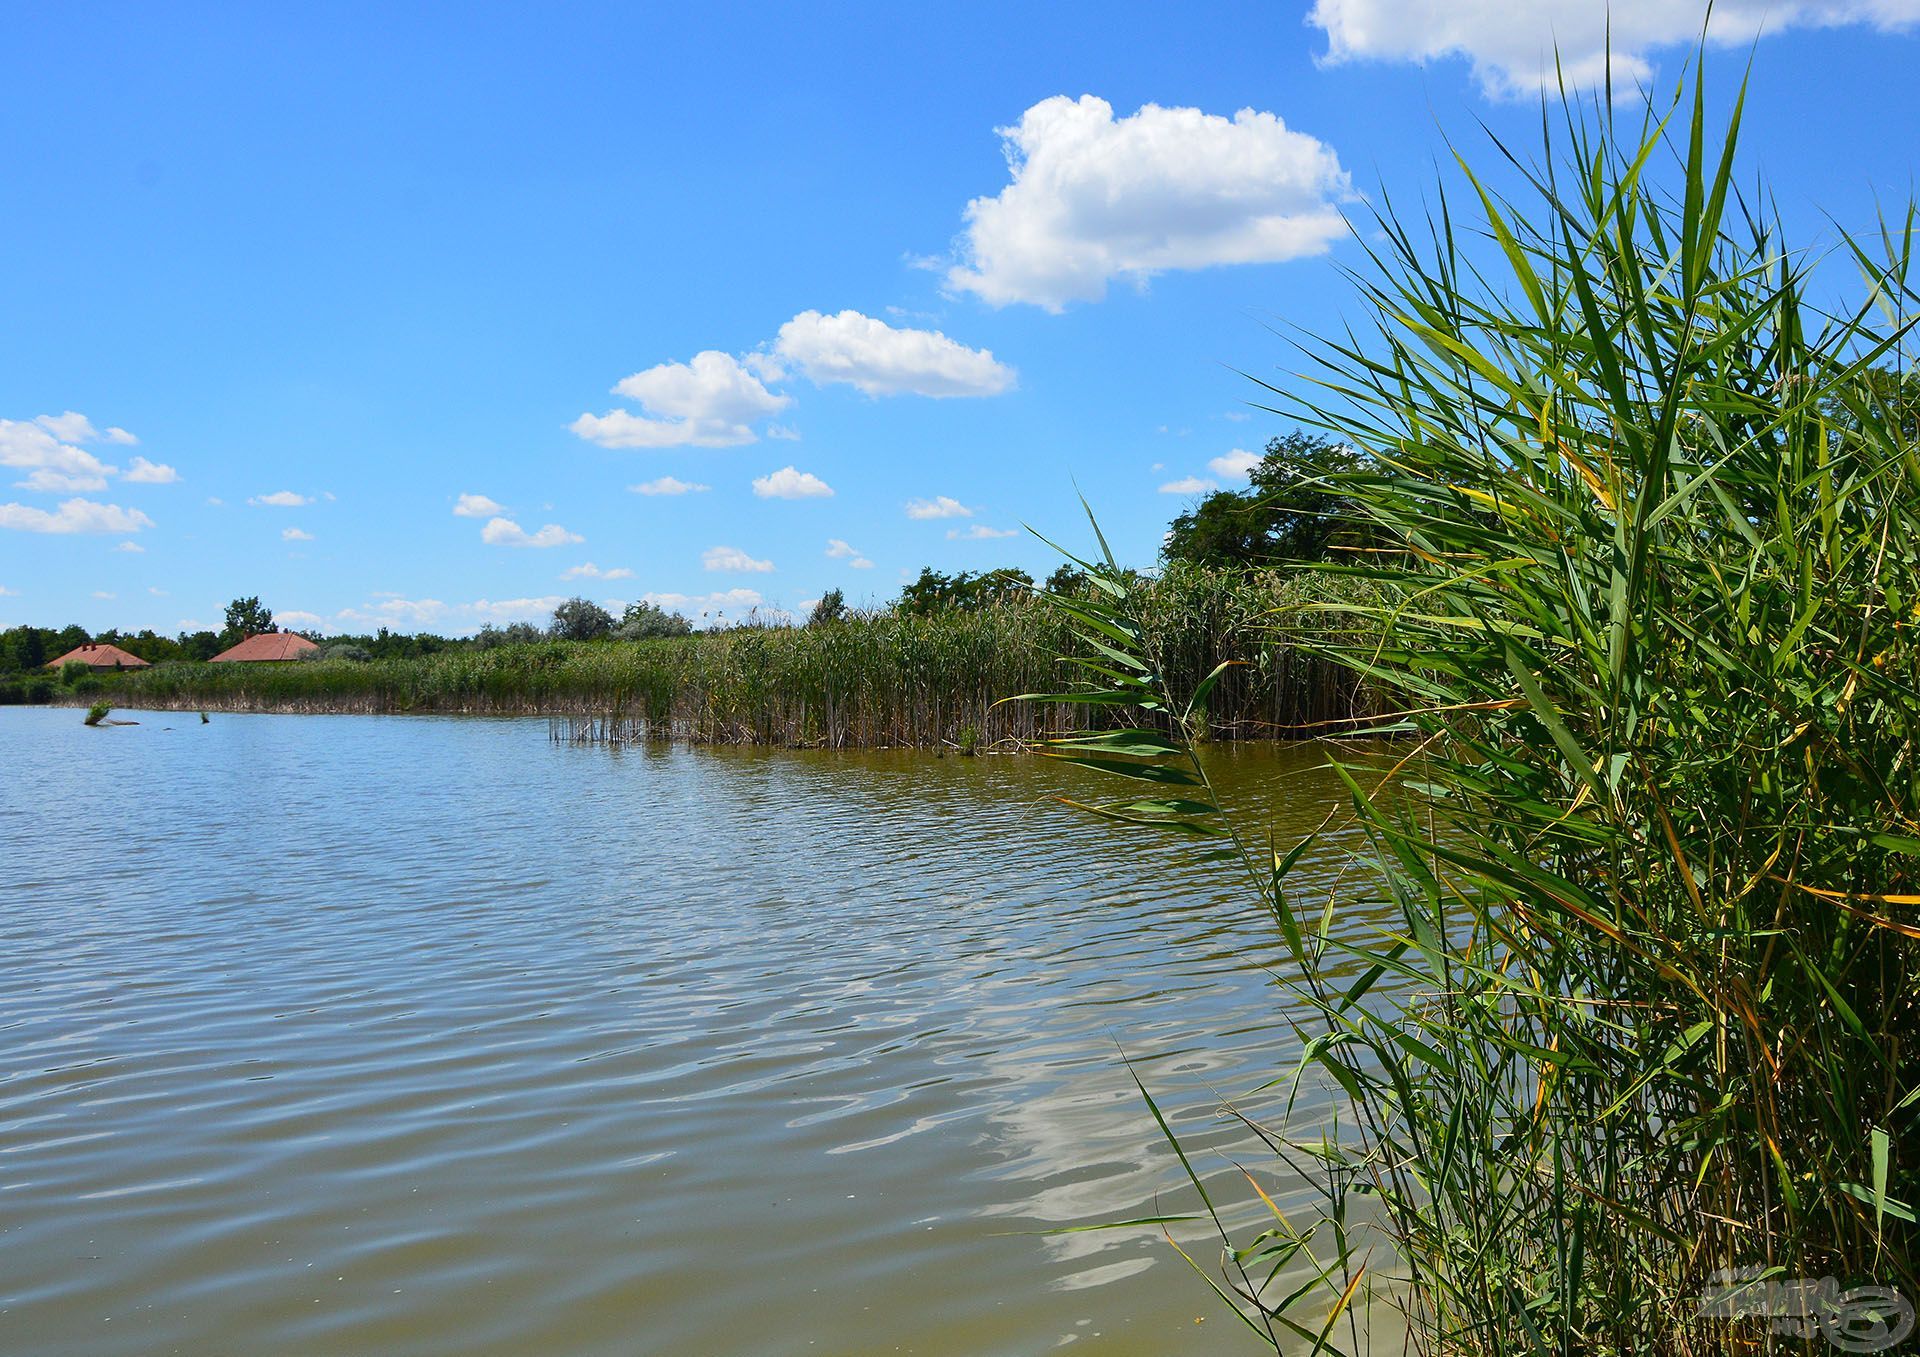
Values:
[(887, 678), (1633, 1069)]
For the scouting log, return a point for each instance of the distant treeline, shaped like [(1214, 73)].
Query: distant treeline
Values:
[(897, 677)]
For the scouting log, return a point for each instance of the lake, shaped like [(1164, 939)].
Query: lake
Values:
[(341, 1035)]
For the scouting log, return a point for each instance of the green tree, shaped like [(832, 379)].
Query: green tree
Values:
[(1286, 513), (832, 607), (936, 592), (1066, 581), (246, 617), (645, 621), (580, 619)]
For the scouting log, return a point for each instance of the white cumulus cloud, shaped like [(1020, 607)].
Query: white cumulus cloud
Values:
[(142, 472), (74, 427), (46, 481), (733, 559), (711, 402), (52, 465), (940, 506), (669, 485), (1511, 44), (280, 499), (477, 506), (1237, 465), (735, 601), (791, 483), (1093, 198), (504, 532), (842, 551), (874, 357), (1188, 485), (295, 535), (979, 532), (131, 548), (73, 515), (590, 571)]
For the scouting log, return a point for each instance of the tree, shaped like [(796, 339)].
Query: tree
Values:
[(580, 619), (831, 608), (1286, 513), (1066, 581), (513, 634), (245, 617), (645, 621), (936, 592)]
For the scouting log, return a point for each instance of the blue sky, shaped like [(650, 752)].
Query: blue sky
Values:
[(380, 312)]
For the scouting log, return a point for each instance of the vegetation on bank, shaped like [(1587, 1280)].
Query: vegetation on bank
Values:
[(1633, 1069), (899, 677)]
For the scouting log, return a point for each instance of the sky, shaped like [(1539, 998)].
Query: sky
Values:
[(430, 316)]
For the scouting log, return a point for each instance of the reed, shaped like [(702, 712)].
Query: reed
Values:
[(1633, 1069), (868, 680)]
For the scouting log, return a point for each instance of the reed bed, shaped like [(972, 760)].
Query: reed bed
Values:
[(879, 679), (1630, 1068)]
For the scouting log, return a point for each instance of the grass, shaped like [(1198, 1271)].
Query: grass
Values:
[(1643, 1025), (877, 679)]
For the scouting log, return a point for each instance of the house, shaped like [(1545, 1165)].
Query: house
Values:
[(99, 657), (267, 647)]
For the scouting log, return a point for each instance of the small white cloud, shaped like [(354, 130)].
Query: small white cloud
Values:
[(978, 532), (294, 617), (102, 593), (710, 402), (1237, 416), (669, 485), (216, 501), (29, 446), (1518, 49), (131, 548), (477, 506), (879, 360), (791, 483), (590, 571), (838, 550), (504, 532), (736, 602), (8, 593), (74, 515), (940, 506), (156, 591), (1094, 198), (1188, 485), (784, 433), (46, 481), (860, 563), (142, 472), (280, 499), (733, 559), (295, 535), (73, 427), (1237, 465)]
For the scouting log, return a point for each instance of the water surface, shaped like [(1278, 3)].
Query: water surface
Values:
[(341, 1035)]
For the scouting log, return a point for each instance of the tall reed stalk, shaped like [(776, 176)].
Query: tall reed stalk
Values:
[(1636, 1070)]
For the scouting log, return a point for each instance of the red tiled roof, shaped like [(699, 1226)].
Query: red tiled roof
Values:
[(271, 645), (100, 657)]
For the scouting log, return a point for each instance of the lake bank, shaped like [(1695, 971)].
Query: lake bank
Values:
[(882, 680)]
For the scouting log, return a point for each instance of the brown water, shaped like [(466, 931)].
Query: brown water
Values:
[(349, 1035)]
